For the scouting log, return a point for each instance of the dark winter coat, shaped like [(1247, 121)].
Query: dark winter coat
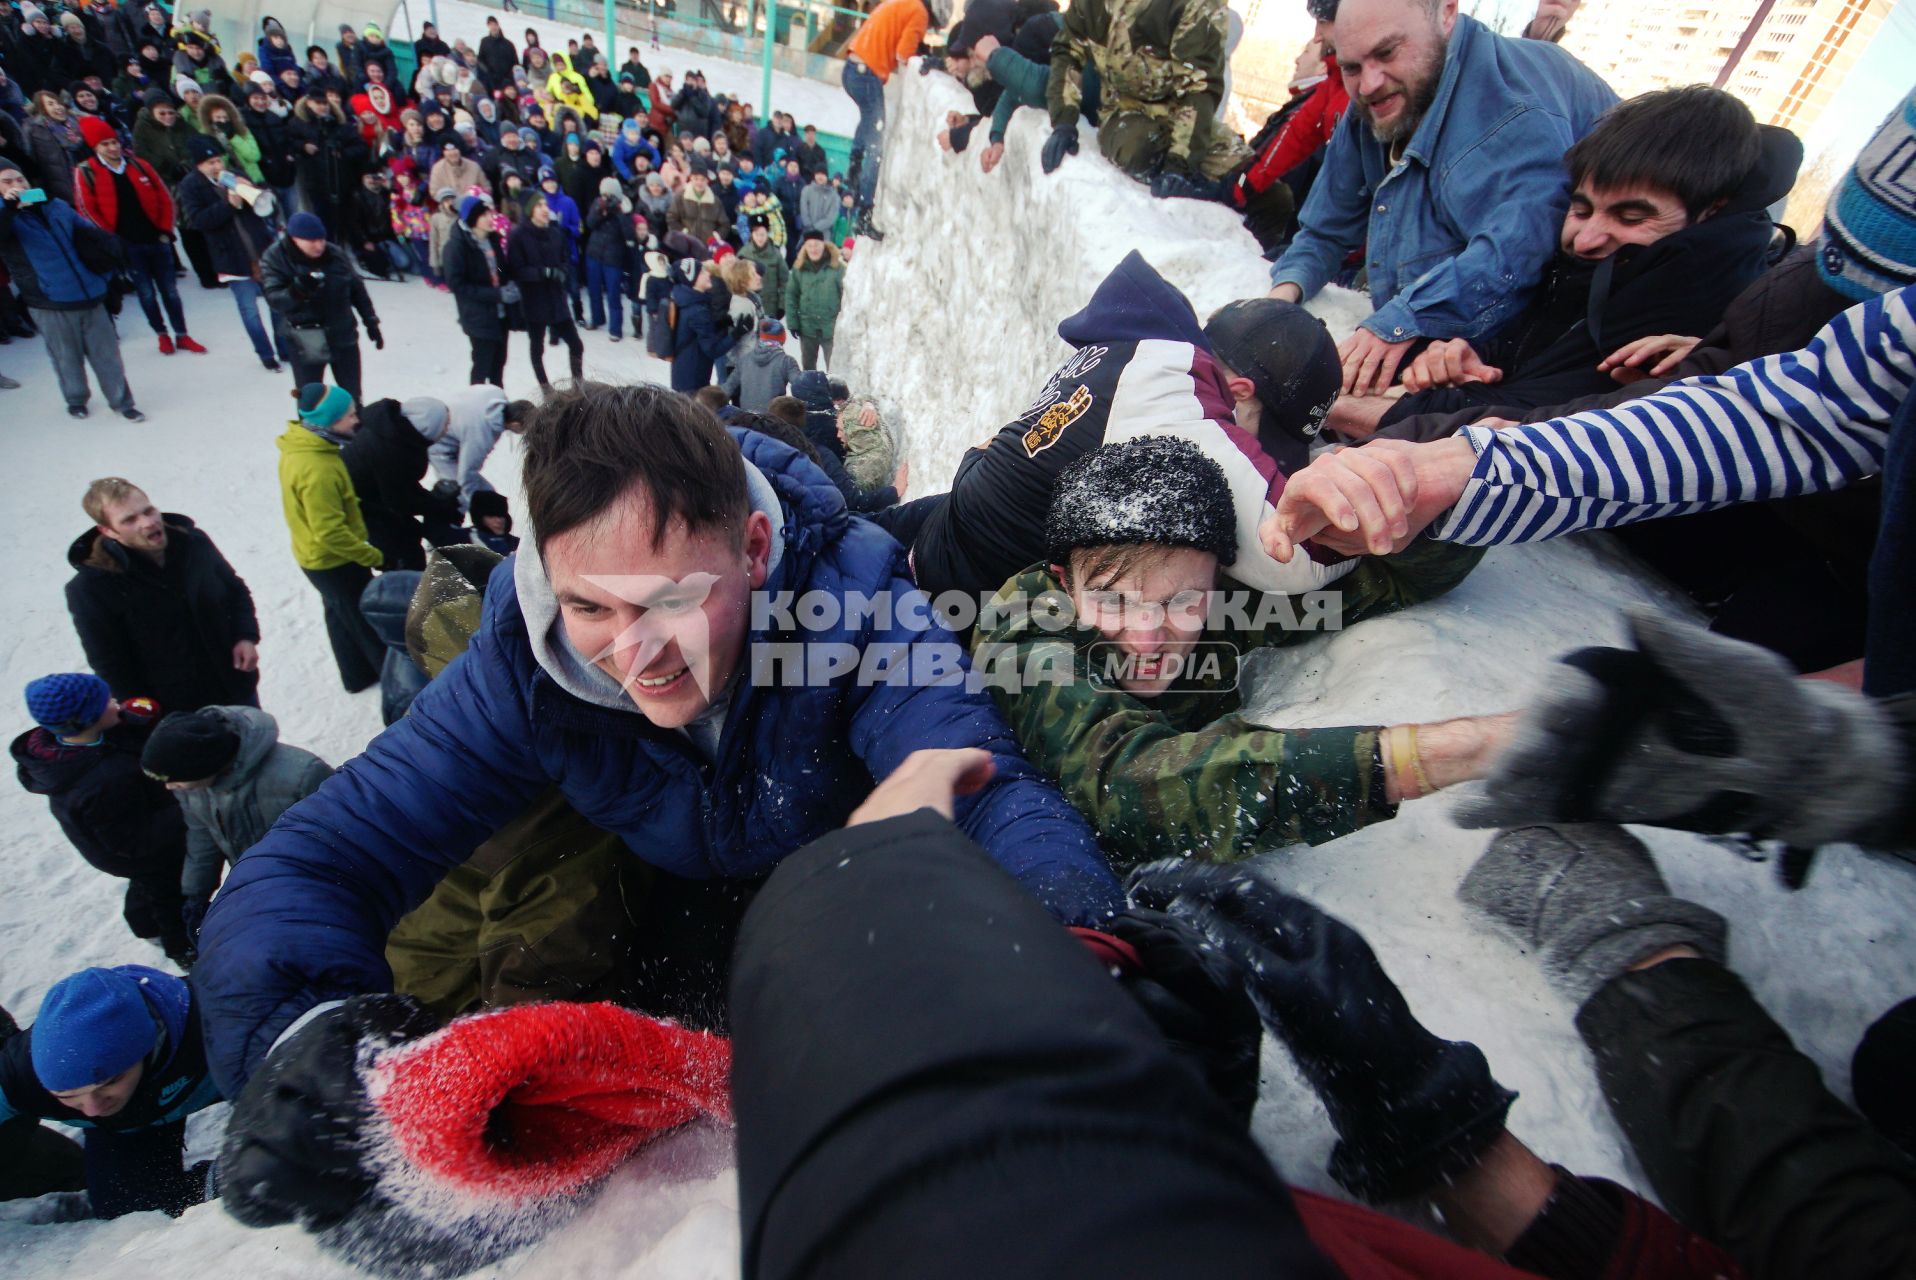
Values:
[(224, 820), (1581, 312), (305, 914), (772, 266), (610, 236), (175, 1083), (475, 290), (58, 260), (46, 143), (387, 459), (163, 631), (540, 260), (498, 57), (814, 294), (812, 159), (162, 146), (698, 114), (338, 157), (581, 180), (321, 293), (236, 238), (276, 163), (122, 822), (771, 146), (698, 338)]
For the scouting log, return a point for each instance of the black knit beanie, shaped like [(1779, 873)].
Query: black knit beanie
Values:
[(189, 746), (1162, 490)]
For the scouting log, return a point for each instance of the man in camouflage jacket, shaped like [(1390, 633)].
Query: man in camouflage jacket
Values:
[(1160, 65), (1182, 772)]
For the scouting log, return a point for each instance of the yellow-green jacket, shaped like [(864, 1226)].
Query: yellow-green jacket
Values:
[(322, 511)]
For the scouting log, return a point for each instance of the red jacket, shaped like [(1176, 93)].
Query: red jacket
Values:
[(97, 196), (1309, 128)]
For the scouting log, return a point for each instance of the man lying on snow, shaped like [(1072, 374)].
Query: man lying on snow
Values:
[(1141, 365), (116, 1052), (1116, 662), (615, 661)]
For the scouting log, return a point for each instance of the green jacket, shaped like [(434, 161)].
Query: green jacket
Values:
[(542, 909), (1023, 82), (813, 294), (1161, 57), (770, 262), (1184, 774), (322, 511)]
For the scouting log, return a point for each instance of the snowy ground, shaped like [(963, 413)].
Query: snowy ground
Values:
[(810, 101), (950, 319)]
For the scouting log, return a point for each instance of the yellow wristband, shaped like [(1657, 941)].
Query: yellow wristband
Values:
[(1417, 764)]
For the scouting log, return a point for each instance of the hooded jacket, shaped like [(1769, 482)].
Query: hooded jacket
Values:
[(322, 511), (224, 820), (630, 143), (813, 294), (304, 916), (821, 417), (164, 631), (1140, 366), (58, 260), (698, 338), (763, 371), (122, 822)]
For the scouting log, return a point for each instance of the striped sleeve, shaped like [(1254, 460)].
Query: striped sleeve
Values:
[(1799, 422)]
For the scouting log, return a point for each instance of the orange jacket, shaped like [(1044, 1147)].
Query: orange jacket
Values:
[(891, 35)]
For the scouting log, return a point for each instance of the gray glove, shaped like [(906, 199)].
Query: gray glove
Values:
[(1695, 731), (509, 292), (1589, 899)]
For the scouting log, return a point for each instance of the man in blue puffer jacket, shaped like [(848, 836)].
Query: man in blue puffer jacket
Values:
[(638, 654)]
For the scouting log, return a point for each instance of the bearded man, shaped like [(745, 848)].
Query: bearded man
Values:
[(1447, 170)]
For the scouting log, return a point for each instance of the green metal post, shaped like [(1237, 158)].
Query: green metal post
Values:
[(765, 85), (611, 35)]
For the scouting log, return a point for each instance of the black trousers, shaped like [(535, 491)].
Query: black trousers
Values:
[(905, 520), (345, 366), (1737, 1132), (488, 360), (932, 1078), (565, 331), (35, 1159), (355, 648)]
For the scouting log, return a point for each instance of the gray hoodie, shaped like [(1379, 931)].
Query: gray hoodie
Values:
[(818, 207), (266, 779), (763, 372)]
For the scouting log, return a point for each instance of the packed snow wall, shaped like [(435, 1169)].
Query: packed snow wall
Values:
[(953, 317)]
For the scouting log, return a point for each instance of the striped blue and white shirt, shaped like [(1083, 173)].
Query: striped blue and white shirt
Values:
[(1799, 422)]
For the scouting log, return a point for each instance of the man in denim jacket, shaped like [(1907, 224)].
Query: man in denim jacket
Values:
[(1450, 165)]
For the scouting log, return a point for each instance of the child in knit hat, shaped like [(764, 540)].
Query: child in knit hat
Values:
[(83, 755), (117, 1052)]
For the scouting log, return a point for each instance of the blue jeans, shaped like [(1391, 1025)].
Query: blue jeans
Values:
[(247, 296), (606, 281), (151, 266), (868, 91), (398, 255), (383, 604)]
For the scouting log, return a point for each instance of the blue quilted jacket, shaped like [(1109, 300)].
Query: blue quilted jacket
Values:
[(304, 916)]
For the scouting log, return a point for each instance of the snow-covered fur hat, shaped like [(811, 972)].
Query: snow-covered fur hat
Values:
[(1160, 490)]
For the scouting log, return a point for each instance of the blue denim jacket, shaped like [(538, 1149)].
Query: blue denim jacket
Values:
[(1460, 230)]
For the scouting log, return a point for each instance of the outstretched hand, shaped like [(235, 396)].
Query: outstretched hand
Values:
[(1450, 363), (1656, 356), (1370, 362), (930, 779)]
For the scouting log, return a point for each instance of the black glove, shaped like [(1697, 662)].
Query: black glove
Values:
[(1195, 994), (961, 135), (742, 325), (1410, 1109), (294, 1148), (379, 339), (1174, 183), (931, 62), (193, 915), (1062, 142)]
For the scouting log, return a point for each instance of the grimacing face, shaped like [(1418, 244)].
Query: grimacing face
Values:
[(1391, 54), (667, 621), (134, 522), (1154, 611), (1601, 221)]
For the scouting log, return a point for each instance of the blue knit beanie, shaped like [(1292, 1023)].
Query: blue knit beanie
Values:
[(305, 226), (92, 1026), (1869, 229), (321, 405), (71, 700)]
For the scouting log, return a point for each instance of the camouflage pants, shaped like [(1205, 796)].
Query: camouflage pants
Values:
[(1138, 139)]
